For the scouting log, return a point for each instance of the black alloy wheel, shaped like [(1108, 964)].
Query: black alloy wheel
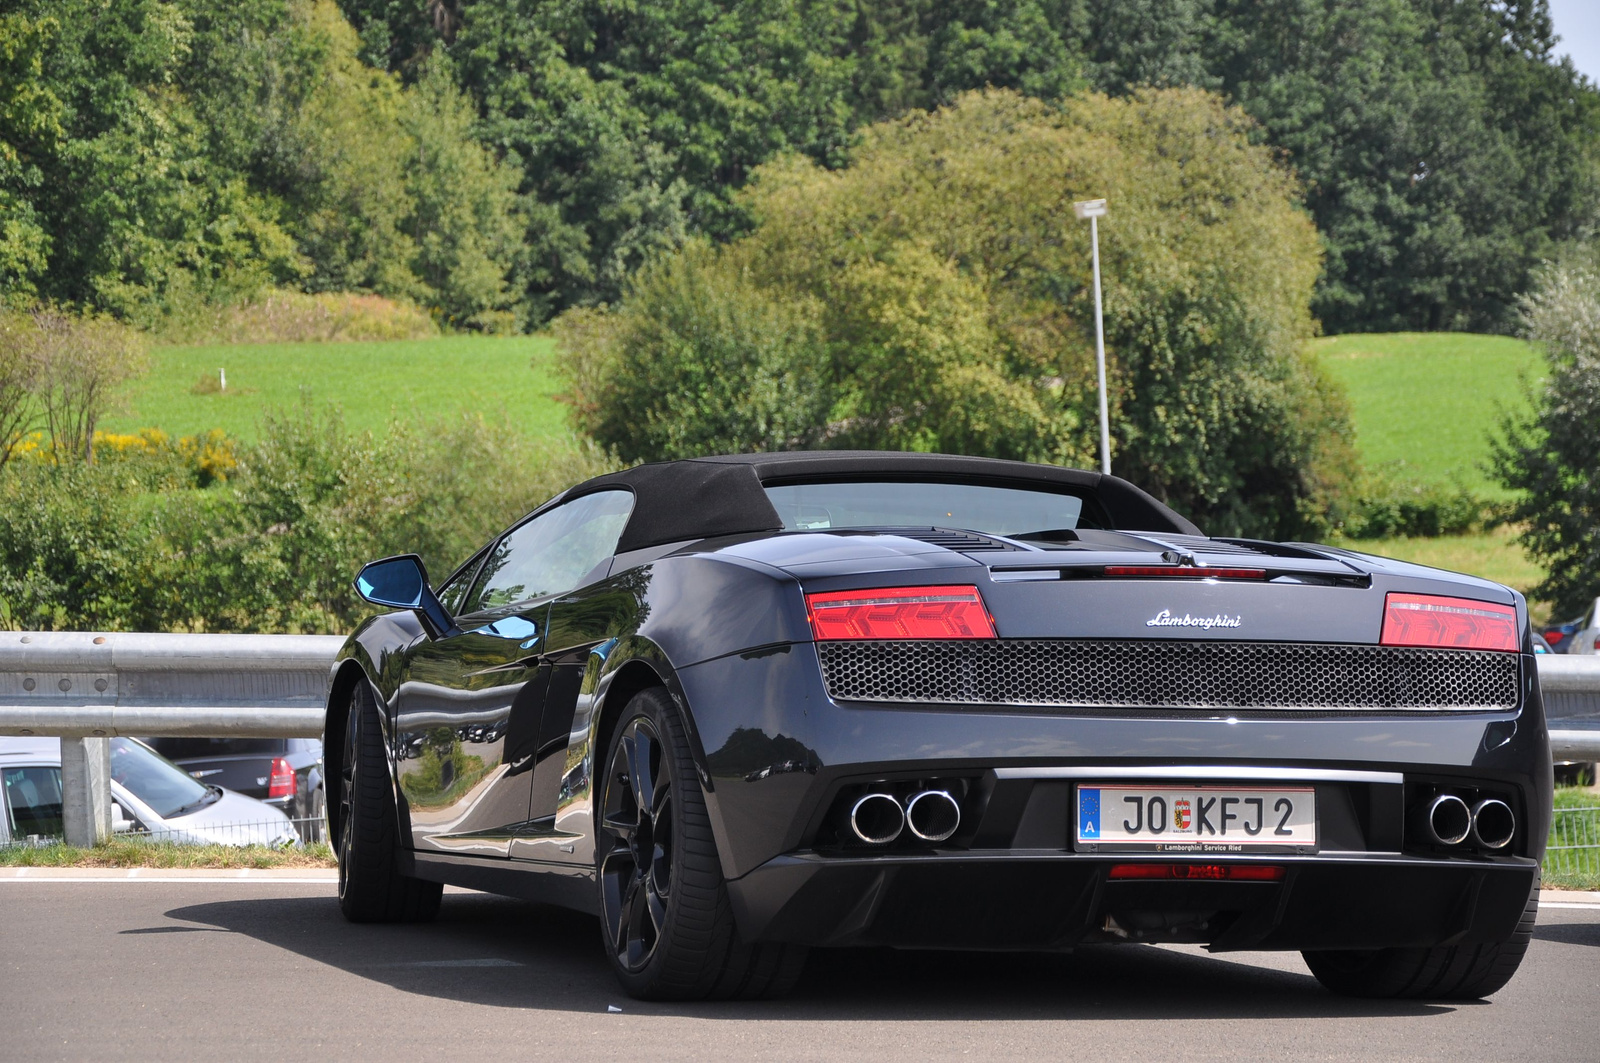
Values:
[(636, 874), (664, 912)]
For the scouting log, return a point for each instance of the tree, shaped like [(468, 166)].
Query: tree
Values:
[(30, 126), (942, 288), (1443, 151), (1548, 457)]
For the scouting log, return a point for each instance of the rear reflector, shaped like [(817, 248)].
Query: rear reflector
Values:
[(1208, 872), (1185, 572), (281, 782), (1450, 623), (900, 613)]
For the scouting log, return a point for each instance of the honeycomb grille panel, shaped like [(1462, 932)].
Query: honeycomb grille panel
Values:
[(1170, 675)]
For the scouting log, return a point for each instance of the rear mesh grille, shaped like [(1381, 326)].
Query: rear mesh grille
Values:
[(1169, 675)]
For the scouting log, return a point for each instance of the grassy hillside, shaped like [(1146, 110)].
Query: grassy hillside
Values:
[(372, 382), (1425, 403)]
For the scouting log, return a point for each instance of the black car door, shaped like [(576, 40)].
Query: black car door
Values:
[(469, 712)]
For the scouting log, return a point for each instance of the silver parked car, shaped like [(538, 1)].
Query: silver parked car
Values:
[(150, 795)]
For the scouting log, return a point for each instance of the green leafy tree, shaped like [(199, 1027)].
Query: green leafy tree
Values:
[(947, 284), (465, 221), (1548, 457), (30, 127), (1443, 150)]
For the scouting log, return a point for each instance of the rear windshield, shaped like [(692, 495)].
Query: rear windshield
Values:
[(1013, 511)]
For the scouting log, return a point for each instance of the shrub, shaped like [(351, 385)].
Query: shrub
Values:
[(1548, 456), (131, 543), (935, 295), (61, 371), (1385, 507), (295, 317)]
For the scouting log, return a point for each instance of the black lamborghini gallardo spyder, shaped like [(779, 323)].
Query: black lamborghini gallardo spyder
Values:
[(739, 707)]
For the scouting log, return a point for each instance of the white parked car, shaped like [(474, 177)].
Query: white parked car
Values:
[(149, 792)]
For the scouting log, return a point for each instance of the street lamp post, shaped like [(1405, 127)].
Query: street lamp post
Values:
[(1094, 210)]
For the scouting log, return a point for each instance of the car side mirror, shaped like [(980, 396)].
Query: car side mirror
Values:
[(402, 583)]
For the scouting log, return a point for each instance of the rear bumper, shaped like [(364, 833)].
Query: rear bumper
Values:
[(1044, 900)]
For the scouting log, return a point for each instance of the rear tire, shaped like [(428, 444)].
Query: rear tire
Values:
[(1456, 972), (665, 918), (371, 888)]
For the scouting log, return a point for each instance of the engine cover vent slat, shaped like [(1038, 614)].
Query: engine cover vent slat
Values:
[(1169, 674)]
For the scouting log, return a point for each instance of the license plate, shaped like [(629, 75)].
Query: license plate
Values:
[(1196, 819)]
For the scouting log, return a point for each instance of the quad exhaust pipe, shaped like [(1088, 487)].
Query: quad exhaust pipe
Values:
[(1493, 824), (879, 818), (1447, 820), (933, 815)]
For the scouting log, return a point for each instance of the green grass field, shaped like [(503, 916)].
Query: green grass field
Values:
[(372, 382), (1492, 554), (1424, 404)]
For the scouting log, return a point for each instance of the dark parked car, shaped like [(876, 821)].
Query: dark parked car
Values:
[(286, 773), (743, 706)]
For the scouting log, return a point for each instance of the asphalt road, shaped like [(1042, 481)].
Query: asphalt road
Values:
[(269, 970)]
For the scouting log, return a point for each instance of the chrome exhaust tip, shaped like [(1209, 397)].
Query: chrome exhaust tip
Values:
[(933, 815), (1446, 820), (877, 819), (1493, 824)]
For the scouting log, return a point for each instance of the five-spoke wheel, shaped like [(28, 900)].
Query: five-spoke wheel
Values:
[(664, 909), (636, 873)]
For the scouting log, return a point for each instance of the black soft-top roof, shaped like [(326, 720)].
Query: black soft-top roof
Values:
[(699, 498)]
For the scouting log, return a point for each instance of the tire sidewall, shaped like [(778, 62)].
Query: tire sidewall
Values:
[(647, 705)]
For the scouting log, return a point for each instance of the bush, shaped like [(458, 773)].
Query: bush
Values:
[(936, 295), (295, 317), (60, 372), (131, 544), (1548, 456), (1385, 508)]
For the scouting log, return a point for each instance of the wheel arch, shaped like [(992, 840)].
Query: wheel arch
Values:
[(625, 675)]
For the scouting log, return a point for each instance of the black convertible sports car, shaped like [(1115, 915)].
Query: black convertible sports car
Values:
[(742, 706)]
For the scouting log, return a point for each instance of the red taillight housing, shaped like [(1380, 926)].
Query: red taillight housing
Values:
[(900, 613), (1448, 623), (280, 781), (1205, 872)]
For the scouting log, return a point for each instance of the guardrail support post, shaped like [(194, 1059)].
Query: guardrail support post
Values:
[(86, 790)]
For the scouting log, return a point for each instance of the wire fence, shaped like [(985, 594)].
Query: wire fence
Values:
[(1573, 854), (277, 833)]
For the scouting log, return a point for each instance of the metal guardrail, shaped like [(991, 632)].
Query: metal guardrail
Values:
[(90, 687), (87, 687)]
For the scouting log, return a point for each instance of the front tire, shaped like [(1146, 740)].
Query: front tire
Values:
[(1456, 972), (665, 918), (371, 887)]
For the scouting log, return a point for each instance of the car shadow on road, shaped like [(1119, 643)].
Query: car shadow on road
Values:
[(505, 953), (1568, 933)]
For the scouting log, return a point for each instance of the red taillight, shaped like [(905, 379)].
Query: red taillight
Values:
[(1454, 623), (281, 780), (1209, 872), (1551, 637), (1185, 572), (900, 613)]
